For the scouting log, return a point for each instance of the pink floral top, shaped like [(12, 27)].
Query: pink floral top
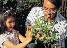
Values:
[(11, 36)]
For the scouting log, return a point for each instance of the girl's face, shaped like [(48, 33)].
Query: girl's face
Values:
[(10, 22)]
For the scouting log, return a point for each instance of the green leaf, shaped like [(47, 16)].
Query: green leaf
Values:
[(45, 30), (5, 1)]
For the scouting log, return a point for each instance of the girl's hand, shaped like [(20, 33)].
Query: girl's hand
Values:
[(28, 34), (28, 31), (29, 27)]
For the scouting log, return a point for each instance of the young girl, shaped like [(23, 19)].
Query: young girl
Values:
[(10, 37)]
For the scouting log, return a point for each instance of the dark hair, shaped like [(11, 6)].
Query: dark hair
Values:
[(57, 3), (6, 15)]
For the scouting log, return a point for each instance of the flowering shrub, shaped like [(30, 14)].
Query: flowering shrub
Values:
[(46, 31)]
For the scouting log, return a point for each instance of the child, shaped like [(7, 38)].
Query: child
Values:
[(10, 37)]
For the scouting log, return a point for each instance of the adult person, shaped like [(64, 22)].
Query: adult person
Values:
[(49, 10)]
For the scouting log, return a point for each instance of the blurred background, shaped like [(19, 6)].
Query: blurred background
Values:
[(22, 7)]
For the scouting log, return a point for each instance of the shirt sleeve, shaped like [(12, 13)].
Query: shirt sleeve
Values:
[(35, 13), (61, 27)]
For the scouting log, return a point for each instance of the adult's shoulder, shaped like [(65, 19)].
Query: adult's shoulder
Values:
[(36, 9), (59, 18), (35, 13)]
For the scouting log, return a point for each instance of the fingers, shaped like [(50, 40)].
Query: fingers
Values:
[(28, 31), (29, 27)]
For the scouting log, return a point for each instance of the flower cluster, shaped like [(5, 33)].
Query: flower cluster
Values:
[(46, 31)]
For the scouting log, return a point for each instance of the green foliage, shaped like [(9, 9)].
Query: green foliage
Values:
[(5, 1), (19, 5), (46, 31)]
